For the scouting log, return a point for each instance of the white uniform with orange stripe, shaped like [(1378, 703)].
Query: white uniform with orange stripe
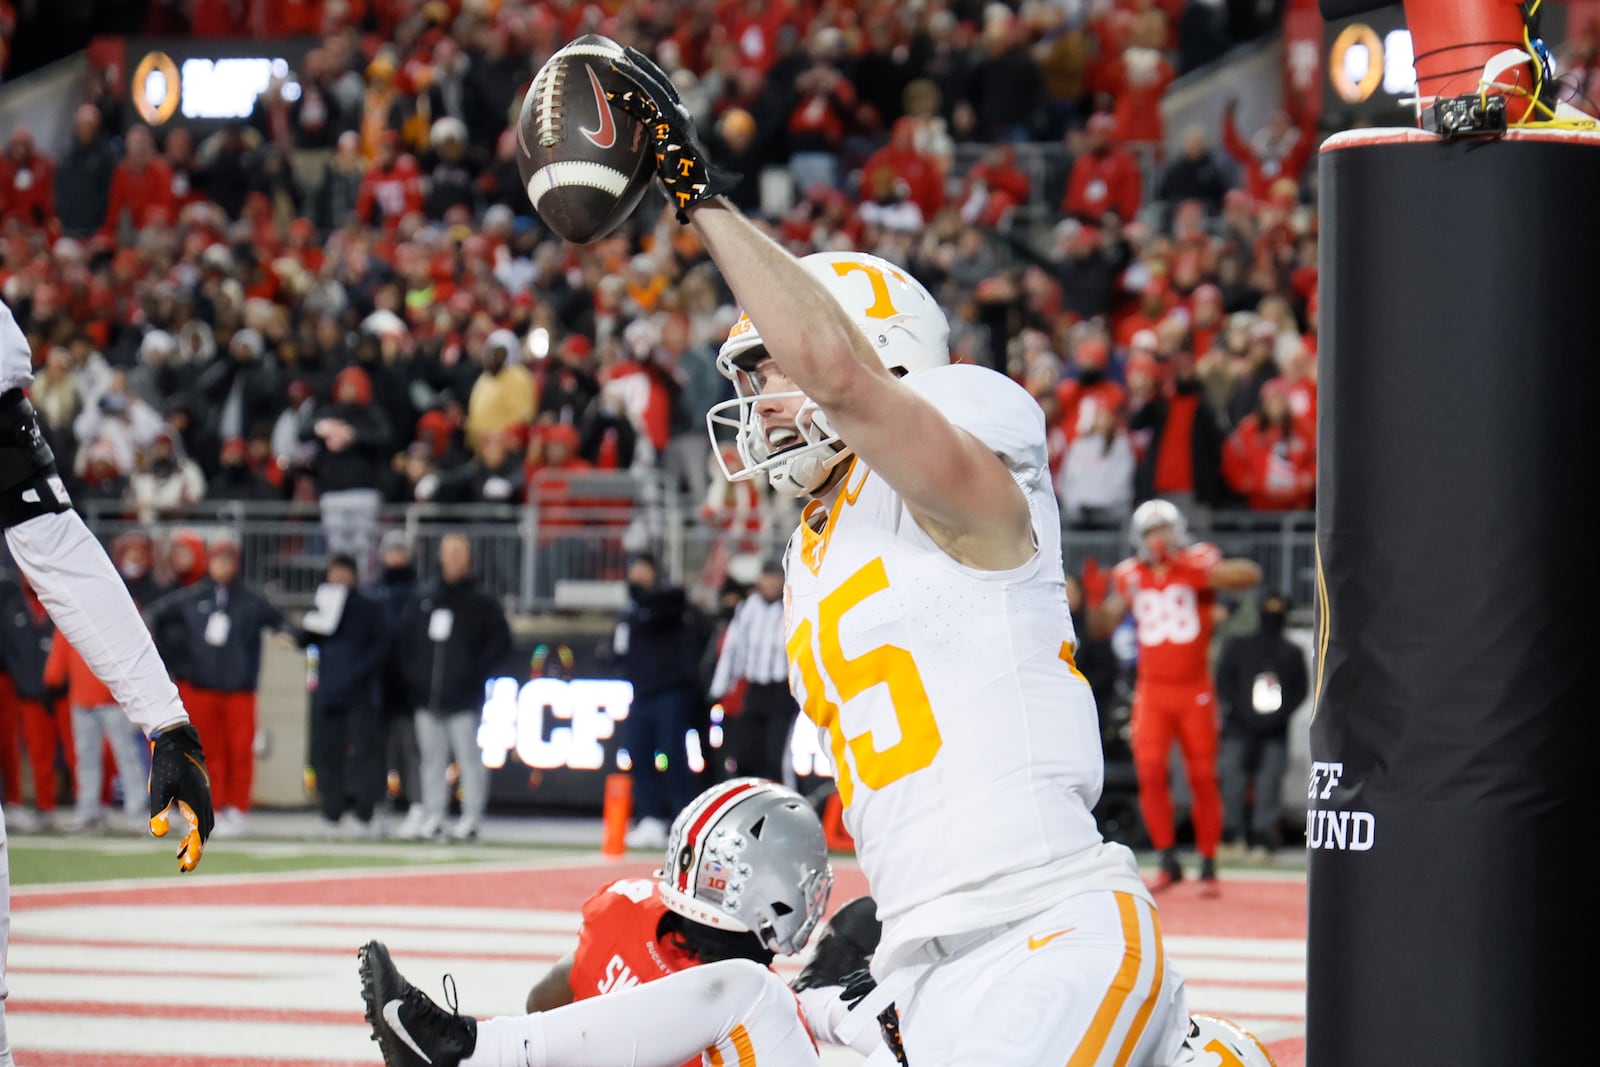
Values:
[(736, 1013), (967, 750)]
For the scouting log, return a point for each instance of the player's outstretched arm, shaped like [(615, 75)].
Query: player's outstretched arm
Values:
[(959, 489), (1235, 575)]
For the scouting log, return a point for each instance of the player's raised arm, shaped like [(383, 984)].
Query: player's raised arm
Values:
[(956, 486), (945, 474)]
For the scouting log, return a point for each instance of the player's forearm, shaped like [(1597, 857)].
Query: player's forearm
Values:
[(804, 328)]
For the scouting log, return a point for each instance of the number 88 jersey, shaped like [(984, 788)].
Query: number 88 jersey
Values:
[(1172, 614), (965, 743)]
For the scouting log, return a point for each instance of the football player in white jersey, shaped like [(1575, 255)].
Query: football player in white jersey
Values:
[(86, 597), (930, 643)]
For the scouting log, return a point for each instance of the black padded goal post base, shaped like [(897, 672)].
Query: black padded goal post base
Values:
[(1452, 797)]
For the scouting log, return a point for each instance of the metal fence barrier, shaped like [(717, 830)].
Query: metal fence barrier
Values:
[(531, 556)]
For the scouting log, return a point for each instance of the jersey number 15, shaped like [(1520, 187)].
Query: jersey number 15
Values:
[(888, 665)]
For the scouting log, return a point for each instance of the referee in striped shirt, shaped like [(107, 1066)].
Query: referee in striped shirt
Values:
[(756, 740)]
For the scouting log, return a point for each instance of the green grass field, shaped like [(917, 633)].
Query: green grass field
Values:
[(54, 861)]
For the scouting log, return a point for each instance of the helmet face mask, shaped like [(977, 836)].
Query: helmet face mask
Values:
[(1158, 530), (794, 470), (901, 320), (749, 856)]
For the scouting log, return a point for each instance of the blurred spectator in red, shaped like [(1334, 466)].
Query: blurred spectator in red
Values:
[(1280, 149), (1090, 390), (186, 558), (504, 398), (886, 203), (1095, 482), (920, 173), (1104, 179), (1006, 85), (141, 186), (1268, 459), (1136, 80), (83, 175), (1182, 460), (134, 554), (1205, 318), (392, 186), (993, 189), (1146, 314), (1194, 175), (102, 485), (553, 446), (27, 183), (824, 101), (1299, 378)]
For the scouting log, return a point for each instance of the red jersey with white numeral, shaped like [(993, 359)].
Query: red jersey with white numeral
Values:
[(617, 945), (1171, 608)]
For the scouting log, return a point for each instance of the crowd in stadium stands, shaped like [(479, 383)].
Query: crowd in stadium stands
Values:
[(349, 290)]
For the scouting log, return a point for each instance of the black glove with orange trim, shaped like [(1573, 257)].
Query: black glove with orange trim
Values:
[(682, 162), (178, 777)]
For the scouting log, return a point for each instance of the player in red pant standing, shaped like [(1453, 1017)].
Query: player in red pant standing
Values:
[(1170, 586)]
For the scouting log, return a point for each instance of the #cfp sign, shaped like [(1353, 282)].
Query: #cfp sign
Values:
[(178, 82), (551, 723)]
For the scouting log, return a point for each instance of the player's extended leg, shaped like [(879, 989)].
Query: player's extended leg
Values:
[(1197, 740), (1086, 983), (737, 1011), (1152, 728)]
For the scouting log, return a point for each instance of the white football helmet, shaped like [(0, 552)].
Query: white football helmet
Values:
[(1153, 514), (1217, 1042), (907, 329), (749, 856)]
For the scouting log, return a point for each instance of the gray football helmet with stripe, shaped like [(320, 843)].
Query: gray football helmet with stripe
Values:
[(749, 856)]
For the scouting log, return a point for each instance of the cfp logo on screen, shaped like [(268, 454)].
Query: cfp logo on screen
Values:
[(1343, 831), (582, 715)]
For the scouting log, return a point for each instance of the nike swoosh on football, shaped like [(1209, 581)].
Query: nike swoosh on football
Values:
[(391, 1015), (1041, 942), (606, 135)]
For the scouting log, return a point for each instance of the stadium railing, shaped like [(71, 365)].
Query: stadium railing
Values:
[(571, 555)]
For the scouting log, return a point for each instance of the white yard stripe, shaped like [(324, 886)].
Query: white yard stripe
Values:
[(236, 1042)]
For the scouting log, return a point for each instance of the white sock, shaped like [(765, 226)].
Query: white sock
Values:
[(509, 1041), (5, 1042)]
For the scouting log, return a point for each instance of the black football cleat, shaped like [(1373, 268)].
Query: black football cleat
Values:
[(410, 1029)]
